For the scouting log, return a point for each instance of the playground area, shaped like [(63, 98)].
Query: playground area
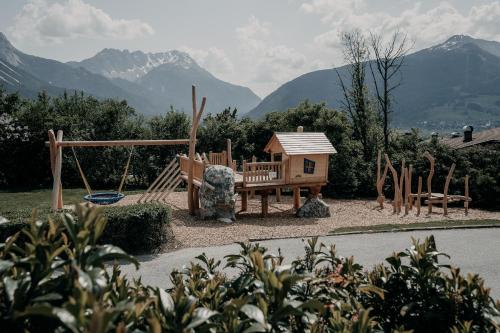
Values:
[(281, 222), (229, 201)]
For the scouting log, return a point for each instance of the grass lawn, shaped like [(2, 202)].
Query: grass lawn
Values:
[(418, 225), (40, 199)]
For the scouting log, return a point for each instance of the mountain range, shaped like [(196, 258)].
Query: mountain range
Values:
[(453, 83), (448, 85), (150, 82)]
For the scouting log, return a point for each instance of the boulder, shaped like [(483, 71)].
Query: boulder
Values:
[(217, 198), (314, 207)]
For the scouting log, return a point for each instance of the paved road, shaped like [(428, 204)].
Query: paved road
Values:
[(473, 250)]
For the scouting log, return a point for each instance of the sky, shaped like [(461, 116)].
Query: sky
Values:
[(260, 44)]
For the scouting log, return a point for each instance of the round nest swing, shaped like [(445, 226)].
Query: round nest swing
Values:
[(104, 198)]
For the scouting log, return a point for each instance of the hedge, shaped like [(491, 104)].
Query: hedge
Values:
[(318, 292), (139, 228)]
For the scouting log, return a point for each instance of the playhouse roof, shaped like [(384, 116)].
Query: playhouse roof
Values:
[(302, 143)]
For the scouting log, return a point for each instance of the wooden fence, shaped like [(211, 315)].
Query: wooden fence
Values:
[(263, 172)]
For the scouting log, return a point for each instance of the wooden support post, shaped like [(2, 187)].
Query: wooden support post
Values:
[(380, 180), (410, 171), (296, 197), (278, 190), (196, 198), (56, 163), (401, 184), (314, 191), (252, 171), (396, 205), (445, 192), (407, 191), (429, 181), (264, 195), (244, 201), (466, 193), (192, 148), (419, 192), (229, 154)]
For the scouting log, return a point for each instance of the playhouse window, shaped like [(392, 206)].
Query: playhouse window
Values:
[(309, 166)]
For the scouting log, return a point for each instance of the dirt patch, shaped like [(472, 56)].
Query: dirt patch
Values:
[(281, 222)]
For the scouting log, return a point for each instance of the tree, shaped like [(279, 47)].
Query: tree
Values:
[(385, 67), (356, 96)]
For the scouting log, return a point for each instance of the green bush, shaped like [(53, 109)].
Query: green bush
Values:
[(319, 292), (139, 228)]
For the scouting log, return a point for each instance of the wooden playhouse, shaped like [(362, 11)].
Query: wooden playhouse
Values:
[(297, 160), (304, 156)]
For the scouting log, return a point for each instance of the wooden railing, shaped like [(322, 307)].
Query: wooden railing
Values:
[(263, 172), (198, 167), (218, 158)]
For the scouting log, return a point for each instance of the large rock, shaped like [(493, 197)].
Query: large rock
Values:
[(314, 207), (217, 196)]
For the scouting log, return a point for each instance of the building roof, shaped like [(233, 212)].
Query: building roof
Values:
[(302, 143), (487, 136)]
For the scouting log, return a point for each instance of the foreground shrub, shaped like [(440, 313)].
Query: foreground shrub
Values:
[(135, 228), (57, 281)]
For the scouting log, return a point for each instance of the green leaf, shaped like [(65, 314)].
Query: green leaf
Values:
[(166, 301), (200, 316), (253, 312), (5, 265), (104, 253), (257, 327), (47, 298), (10, 287), (371, 289), (63, 315)]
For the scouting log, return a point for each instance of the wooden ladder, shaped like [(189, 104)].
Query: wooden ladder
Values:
[(168, 180)]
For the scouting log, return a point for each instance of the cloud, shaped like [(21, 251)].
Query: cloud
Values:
[(54, 22), (213, 59), (267, 64), (425, 26)]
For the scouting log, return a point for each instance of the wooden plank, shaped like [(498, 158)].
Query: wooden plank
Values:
[(157, 180), (395, 203), (229, 153), (419, 192), (170, 189), (407, 191), (401, 184), (410, 197), (466, 193), (171, 169), (121, 143), (167, 181), (445, 192), (429, 180)]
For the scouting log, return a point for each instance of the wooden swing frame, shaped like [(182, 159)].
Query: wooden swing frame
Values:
[(56, 144)]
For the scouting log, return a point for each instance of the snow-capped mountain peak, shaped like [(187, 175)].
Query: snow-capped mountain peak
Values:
[(131, 66)]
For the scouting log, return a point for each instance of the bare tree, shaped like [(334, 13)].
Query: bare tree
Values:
[(386, 72), (356, 96)]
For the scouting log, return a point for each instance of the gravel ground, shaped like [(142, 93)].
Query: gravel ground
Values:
[(281, 222)]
